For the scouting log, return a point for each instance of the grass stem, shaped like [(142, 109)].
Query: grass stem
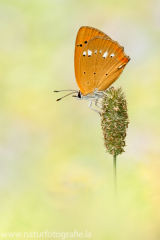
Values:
[(115, 175)]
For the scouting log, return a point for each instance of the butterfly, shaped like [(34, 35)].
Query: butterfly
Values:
[(98, 62)]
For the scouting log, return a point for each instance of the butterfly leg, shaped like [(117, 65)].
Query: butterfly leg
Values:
[(90, 106), (96, 102)]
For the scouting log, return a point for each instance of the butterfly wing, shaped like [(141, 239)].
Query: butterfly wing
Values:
[(83, 36), (101, 62)]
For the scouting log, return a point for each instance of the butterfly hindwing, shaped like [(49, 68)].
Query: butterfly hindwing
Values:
[(101, 62)]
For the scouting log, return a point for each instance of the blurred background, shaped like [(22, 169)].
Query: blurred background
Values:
[(55, 173)]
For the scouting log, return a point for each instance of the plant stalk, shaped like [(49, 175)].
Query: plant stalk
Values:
[(115, 175)]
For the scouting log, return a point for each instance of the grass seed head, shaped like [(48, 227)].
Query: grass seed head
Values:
[(114, 120)]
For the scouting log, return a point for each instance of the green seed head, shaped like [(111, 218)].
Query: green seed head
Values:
[(114, 120)]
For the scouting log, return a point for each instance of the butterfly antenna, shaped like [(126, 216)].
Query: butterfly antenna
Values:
[(66, 90), (65, 95)]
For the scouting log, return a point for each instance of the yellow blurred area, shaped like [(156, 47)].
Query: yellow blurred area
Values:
[(55, 173)]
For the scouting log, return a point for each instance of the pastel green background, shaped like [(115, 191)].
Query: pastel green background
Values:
[(55, 174)]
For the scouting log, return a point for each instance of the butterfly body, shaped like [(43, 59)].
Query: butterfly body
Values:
[(90, 96)]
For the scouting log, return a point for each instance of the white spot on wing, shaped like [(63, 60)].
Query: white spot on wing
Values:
[(112, 55), (120, 66), (84, 53), (89, 52), (95, 51), (105, 54), (100, 51)]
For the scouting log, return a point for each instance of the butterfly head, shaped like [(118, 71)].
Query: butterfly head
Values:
[(79, 96)]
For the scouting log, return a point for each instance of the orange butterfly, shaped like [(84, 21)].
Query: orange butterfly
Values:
[(98, 62)]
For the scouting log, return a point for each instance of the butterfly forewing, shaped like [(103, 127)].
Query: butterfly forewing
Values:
[(100, 64), (83, 36)]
